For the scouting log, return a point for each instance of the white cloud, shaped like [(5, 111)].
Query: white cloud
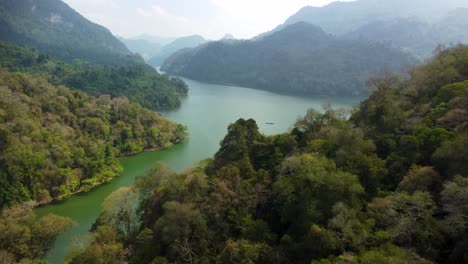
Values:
[(160, 13), (211, 18)]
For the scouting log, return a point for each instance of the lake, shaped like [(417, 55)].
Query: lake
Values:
[(207, 112)]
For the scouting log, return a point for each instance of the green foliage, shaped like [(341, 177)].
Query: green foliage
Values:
[(105, 249), (286, 62), (387, 185), (55, 142), (150, 89), (24, 237), (55, 28)]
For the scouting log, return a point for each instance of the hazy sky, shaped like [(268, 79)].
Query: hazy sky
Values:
[(210, 18)]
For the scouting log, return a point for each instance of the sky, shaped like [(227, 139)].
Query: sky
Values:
[(174, 18)]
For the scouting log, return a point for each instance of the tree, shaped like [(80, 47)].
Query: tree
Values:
[(24, 237), (182, 231), (120, 211), (246, 252), (455, 204), (424, 179), (409, 219)]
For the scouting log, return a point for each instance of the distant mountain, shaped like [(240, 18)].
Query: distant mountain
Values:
[(342, 17), (228, 37), (51, 26), (301, 58), (154, 39), (178, 44), (417, 26), (145, 48)]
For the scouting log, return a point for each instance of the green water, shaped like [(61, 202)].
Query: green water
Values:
[(207, 112)]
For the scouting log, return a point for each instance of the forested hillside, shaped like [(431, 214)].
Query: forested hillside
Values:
[(149, 89), (388, 185), (300, 58), (55, 142), (418, 26), (52, 27)]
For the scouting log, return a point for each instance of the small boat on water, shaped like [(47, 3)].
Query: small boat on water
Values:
[(269, 123)]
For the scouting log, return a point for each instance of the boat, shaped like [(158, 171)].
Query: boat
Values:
[(269, 123)]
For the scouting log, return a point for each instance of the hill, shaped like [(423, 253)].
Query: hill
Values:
[(52, 27), (145, 48), (55, 142), (301, 59), (176, 45), (150, 89)]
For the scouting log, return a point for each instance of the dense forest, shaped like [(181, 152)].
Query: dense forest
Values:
[(386, 185), (53, 27), (25, 238), (150, 89), (300, 59), (55, 141)]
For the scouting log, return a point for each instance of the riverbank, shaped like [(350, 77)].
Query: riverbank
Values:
[(36, 204), (207, 112)]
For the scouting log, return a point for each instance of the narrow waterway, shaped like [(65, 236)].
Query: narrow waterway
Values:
[(207, 112)]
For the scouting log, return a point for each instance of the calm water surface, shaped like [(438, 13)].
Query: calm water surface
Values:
[(207, 112)]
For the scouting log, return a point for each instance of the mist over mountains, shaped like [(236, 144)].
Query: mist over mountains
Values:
[(332, 49)]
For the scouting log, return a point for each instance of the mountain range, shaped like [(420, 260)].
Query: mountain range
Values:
[(342, 17), (332, 49), (180, 43), (301, 58)]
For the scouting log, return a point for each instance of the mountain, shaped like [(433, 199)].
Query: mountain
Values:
[(51, 26), (417, 36), (154, 39), (145, 48), (342, 17), (228, 37), (178, 44), (300, 59)]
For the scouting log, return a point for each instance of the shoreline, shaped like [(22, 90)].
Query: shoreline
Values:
[(35, 204)]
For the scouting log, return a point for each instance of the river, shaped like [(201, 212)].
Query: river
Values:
[(207, 112)]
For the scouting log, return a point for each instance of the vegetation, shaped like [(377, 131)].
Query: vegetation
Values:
[(388, 185), (300, 59), (24, 238), (55, 142), (52, 27), (150, 89)]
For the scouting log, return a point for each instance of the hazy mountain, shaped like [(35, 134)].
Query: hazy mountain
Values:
[(53, 27), (301, 58), (154, 39), (417, 36), (178, 44), (145, 48), (228, 37), (342, 17)]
